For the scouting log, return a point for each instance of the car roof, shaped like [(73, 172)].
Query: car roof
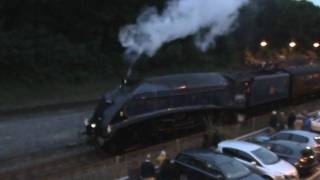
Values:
[(300, 132), (241, 145), (294, 146), (207, 155)]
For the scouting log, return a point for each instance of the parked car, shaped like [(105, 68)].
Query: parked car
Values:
[(259, 159), (297, 154), (305, 138), (206, 164)]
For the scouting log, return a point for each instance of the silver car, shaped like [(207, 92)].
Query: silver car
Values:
[(305, 138), (259, 159)]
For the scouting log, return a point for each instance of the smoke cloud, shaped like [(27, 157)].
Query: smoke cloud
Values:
[(205, 19), (315, 2)]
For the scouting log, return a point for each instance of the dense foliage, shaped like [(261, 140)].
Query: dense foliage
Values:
[(77, 40)]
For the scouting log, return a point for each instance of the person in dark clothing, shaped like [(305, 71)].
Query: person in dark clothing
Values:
[(307, 122), (167, 170), (274, 120), (291, 120), (206, 141), (147, 169), (216, 138), (281, 122)]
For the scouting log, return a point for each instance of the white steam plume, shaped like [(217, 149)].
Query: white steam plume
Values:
[(206, 19), (315, 2)]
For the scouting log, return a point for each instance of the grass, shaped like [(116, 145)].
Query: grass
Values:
[(16, 96)]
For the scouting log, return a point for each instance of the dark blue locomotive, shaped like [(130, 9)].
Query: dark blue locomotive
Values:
[(161, 106)]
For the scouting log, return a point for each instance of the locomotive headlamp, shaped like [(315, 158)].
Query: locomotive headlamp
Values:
[(93, 125)]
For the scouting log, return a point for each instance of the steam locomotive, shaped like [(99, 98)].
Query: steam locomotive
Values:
[(161, 106)]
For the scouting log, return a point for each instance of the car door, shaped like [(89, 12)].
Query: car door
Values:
[(204, 171), (245, 159), (190, 168)]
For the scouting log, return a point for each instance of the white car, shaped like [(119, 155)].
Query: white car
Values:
[(259, 159)]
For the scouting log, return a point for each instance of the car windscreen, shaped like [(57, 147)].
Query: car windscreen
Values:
[(266, 156), (233, 169)]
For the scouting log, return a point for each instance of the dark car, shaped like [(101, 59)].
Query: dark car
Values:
[(297, 154), (207, 164)]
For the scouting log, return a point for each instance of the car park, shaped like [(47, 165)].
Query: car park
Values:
[(259, 159), (205, 164), (305, 138), (300, 156)]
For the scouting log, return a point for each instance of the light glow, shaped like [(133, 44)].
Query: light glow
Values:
[(263, 44), (93, 125), (292, 44), (316, 44)]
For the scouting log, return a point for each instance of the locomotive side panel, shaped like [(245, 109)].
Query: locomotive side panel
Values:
[(269, 88)]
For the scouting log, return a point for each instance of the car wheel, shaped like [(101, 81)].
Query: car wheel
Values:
[(183, 177)]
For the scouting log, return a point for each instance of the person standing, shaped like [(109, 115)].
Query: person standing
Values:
[(206, 141), (281, 122), (147, 169), (307, 123), (274, 120), (216, 138), (167, 170), (291, 120)]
